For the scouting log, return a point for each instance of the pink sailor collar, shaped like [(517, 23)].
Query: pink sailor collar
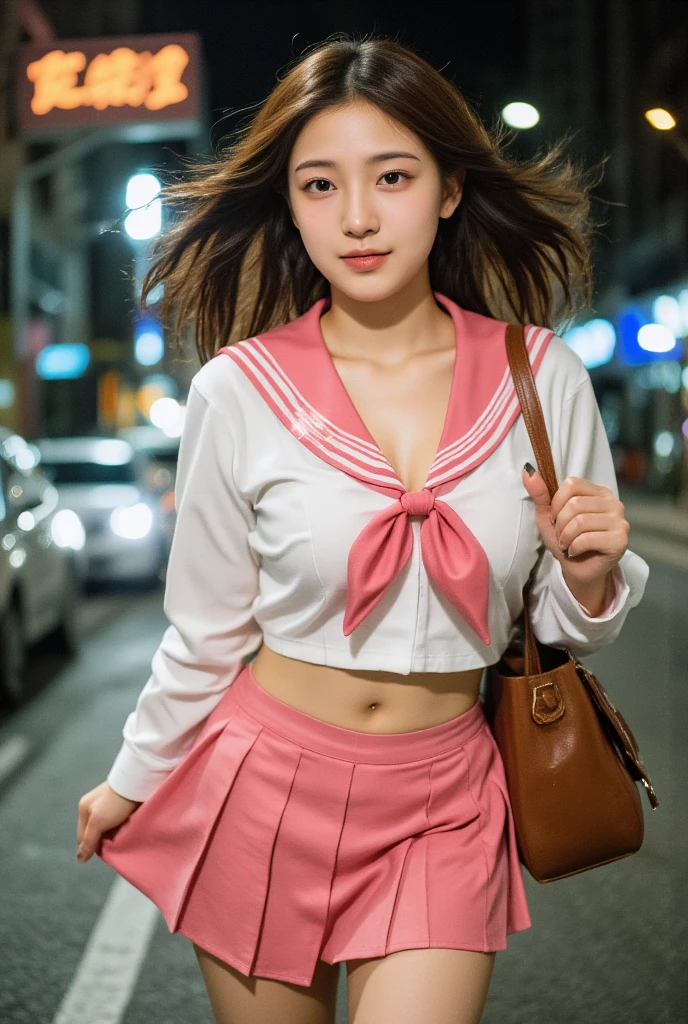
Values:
[(293, 371)]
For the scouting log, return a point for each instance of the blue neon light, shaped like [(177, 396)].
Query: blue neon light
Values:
[(630, 320), (149, 344), (62, 362), (593, 341)]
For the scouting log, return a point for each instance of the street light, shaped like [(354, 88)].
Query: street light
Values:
[(520, 115), (662, 121), (142, 197)]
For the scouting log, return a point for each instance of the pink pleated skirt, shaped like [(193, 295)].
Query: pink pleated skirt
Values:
[(281, 839)]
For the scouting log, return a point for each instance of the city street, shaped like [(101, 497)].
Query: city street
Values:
[(276, 283), (82, 947)]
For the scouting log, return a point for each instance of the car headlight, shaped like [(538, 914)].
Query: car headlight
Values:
[(67, 530), (132, 522)]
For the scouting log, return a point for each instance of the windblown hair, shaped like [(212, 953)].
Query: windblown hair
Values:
[(516, 248)]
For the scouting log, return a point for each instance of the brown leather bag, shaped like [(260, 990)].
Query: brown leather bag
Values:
[(570, 758)]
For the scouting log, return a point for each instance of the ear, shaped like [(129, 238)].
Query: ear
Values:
[(453, 191)]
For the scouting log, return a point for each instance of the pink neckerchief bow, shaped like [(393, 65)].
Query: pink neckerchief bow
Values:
[(452, 557), (291, 368)]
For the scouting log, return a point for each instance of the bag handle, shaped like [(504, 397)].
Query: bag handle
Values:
[(524, 382)]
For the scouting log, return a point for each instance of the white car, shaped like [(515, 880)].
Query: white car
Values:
[(162, 451), (41, 564), (106, 483)]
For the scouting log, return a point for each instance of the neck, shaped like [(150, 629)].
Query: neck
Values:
[(390, 330)]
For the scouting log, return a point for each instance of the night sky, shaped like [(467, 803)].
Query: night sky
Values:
[(480, 46)]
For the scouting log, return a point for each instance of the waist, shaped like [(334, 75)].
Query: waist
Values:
[(367, 701)]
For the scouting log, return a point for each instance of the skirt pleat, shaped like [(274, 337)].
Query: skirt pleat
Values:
[(281, 839), (366, 888), (245, 835), (286, 846), (512, 888), (303, 867), (160, 844)]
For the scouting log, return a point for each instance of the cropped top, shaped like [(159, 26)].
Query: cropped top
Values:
[(294, 530)]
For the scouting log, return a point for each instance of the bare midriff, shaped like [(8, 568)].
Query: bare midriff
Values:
[(382, 702)]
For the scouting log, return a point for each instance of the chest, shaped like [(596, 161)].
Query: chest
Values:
[(404, 409), (309, 513)]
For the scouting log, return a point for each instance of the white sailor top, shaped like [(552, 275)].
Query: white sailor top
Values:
[(294, 530)]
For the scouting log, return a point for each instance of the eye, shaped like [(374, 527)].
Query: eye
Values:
[(315, 181), (318, 181), (391, 174)]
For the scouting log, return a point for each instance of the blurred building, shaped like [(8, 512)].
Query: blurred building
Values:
[(75, 272), (595, 67)]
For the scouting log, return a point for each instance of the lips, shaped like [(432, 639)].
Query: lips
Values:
[(356, 253), (363, 262)]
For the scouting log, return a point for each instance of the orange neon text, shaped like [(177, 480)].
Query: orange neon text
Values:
[(117, 79)]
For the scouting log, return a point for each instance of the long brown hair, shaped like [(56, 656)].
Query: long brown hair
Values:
[(517, 247)]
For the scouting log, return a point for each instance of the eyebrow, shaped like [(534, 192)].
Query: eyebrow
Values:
[(379, 158)]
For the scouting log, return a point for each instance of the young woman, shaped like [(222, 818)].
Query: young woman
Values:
[(356, 502)]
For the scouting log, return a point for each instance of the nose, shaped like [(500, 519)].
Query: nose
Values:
[(359, 217)]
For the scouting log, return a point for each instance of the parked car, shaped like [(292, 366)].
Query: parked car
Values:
[(162, 452), (41, 564), (107, 484)]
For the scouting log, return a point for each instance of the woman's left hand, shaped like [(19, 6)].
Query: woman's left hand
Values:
[(583, 519)]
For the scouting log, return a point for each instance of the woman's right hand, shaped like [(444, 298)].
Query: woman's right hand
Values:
[(99, 810)]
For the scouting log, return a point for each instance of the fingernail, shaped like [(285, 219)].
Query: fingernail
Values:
[(529, 469)]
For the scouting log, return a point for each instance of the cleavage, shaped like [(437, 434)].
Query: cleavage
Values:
[(404, 411)]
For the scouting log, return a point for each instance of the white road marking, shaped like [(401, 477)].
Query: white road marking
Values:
[(12, 752), (104, 981)]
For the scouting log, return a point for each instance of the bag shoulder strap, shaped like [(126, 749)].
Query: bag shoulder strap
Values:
[(524, 381)]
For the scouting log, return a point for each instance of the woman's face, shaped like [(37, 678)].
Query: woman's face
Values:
[(369, 184)]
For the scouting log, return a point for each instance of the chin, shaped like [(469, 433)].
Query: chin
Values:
[(368, 287)]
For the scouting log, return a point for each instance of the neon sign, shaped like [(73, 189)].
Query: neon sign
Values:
[(100, 81), (122, 77)]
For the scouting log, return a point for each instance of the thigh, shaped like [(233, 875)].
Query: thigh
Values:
[(445, 986), (236, 999)]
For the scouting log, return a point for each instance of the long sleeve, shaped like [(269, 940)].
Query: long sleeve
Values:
[(212, 580), (580, 448)]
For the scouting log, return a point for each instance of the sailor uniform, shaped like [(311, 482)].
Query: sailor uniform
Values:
[(294, 530)]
